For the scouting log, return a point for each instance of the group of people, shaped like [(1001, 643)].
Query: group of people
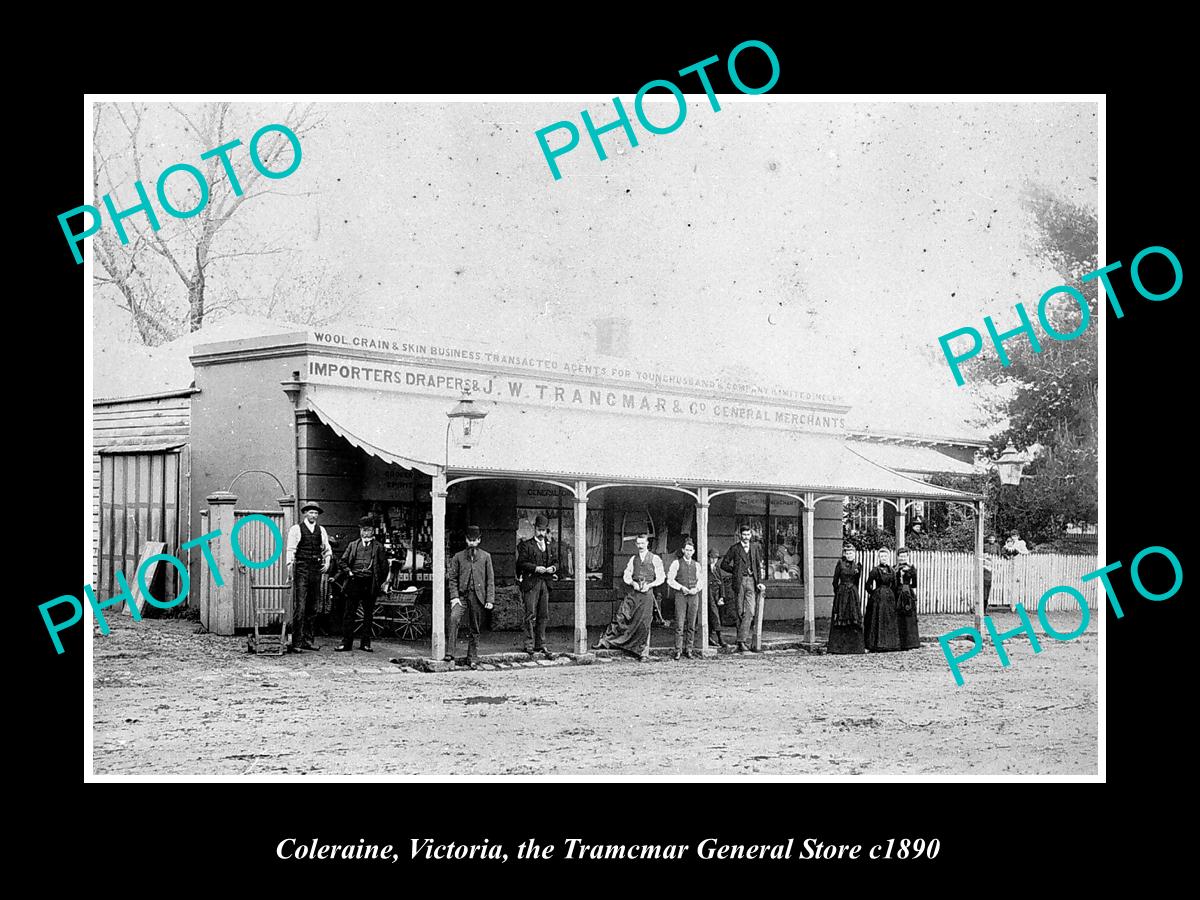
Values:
[(309, 556), (366, 570), (739, 576), (992, 551), (890, 620)]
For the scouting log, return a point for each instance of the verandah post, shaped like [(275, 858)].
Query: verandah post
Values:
[(581, 636), (438, 631), (979, 566), (702, 556), (810, 604)]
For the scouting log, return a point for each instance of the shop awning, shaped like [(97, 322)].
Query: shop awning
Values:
[(528, 441), (912, 459)]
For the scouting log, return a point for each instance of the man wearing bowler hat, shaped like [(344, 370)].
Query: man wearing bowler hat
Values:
[(537, 561), (472, 590), (366, 563), (308, 556)]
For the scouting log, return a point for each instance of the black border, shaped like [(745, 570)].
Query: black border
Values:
[(983, 828)]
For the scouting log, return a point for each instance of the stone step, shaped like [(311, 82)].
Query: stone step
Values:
[(514, 660)]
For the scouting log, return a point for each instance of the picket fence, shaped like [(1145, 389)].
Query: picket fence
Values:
[(946, 580)]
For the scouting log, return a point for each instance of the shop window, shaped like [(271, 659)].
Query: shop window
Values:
[(558, 507), (775, 524)]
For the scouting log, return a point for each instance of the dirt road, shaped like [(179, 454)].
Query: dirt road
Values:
[(168, 701)]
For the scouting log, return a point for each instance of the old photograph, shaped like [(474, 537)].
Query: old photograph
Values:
[(664, 438)]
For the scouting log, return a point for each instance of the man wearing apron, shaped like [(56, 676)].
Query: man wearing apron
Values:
[(308, 556)]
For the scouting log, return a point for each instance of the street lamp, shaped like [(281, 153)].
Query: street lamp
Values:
[(471, 417), (1009, 464)]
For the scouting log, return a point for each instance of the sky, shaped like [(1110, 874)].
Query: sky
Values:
[(818, 246)]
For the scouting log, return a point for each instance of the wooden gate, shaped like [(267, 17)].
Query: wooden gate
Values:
[(257, 542)]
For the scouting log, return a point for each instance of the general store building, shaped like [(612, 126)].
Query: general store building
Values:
[(356, 420)]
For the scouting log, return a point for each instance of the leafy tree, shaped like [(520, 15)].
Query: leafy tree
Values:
[(1053, 409)]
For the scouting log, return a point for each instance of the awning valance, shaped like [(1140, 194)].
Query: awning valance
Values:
[(530, 441)]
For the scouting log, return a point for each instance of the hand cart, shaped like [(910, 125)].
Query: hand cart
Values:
[(402, 614), (262, 640)]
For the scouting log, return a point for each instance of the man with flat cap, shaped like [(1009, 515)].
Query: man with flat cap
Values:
[(472, 590), (308, 556), (537, 561), (366, 564)]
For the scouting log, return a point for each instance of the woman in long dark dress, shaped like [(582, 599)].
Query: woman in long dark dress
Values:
[(881, 628), (906, 601), (846, 624), (630, 628)]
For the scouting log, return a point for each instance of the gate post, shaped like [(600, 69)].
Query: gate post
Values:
[(204, 581), (216, 609), (288, 505)]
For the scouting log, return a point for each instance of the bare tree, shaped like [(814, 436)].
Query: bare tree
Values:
[(163, 281), (314, 294)]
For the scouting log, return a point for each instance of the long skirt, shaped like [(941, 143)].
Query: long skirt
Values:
[(881, 627), (906, 609), (630, 628), (845, 628)]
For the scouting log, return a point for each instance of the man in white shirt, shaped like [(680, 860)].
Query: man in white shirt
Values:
[(686, 578), (630, 628), (308, 558)]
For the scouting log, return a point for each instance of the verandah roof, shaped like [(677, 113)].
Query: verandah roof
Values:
[(912, 459), (530, 441)]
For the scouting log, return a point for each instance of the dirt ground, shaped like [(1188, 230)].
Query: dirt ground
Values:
[(168, 701)]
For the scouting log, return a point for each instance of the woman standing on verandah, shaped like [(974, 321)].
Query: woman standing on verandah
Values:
[(881, 627)]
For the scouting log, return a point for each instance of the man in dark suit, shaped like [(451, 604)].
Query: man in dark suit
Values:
[(748, 575), (537, 561), (366, 565), (472, 590)]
